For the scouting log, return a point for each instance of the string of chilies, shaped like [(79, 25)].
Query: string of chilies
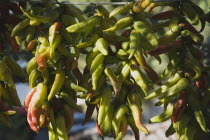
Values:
[(116, 78)]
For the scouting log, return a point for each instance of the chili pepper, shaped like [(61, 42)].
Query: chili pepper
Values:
[(72, 86), (133, 126), (106, 125), (179, 106), (140, 79), (140, 6), (187, 26), (61, 128), (156, 4), (121, 9), (135, 41), (40, 95), (113, 79), (164, 15), (145, 31), (124, 73), (102, 45), (52, 134), (163, 116), (165, 101), (31, 45), (104, 101), (41, 61), (81, 26), (134, 103), (120, 24), (176, 88), (165, 48), (28, 98), (20, 26), (170, 82), (54, 28), (196, 39), (89, 43), (117, 119), (57, 84), (95, 76), (96, 62), (122, 129), (171, 65), (56, 44), (169, 35)]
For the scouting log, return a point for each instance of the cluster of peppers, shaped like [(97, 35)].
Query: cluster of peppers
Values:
[(116, 77)]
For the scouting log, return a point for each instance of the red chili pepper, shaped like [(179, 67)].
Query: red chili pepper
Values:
[(42, 63), (165, 48), (163, 15), (89, 112), (179, 105), (14, 45), (31, 45), (187, 26)]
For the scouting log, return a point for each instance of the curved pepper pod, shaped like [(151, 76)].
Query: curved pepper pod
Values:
[(134, 103)]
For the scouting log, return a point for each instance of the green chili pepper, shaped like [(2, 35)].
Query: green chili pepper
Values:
[(105, 100), (95, 77), (33, 77), (145, 31), (97, 61), (40, 95), (135, 41), (114, 80), (120, 24), (81, 26), (170, 82), (134, 103), (102, 45), (121, 9), (163, 116), (57, 84), (117, 118), (23, 24)]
